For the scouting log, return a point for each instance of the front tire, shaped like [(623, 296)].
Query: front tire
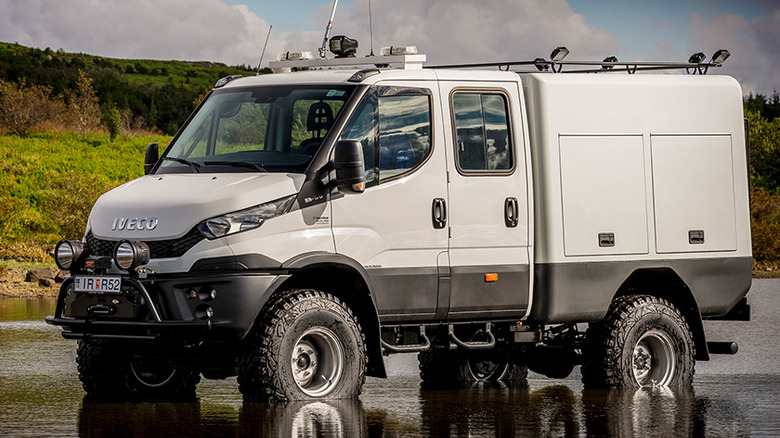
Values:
[(643, 342), (114, 372), (309, 347)]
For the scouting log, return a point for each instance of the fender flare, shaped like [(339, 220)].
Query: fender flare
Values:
[(362, 303)]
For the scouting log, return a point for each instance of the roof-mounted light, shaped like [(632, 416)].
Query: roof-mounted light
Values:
[(398, 50), (541, 64), (697, 58), (343, 47), (609, 59), (558, 54), (720, 56), (294, 56)]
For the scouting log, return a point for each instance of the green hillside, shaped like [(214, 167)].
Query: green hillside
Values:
[(161, 92), (49, 181)]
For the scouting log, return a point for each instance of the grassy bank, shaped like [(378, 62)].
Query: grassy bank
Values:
[(49, 181)]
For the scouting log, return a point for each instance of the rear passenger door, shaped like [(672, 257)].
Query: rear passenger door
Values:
[(488, 201)]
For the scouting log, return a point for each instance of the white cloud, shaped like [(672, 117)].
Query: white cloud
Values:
[(450, 31), (207, 30), (754, 47)]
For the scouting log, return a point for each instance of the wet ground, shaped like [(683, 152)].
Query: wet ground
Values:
[(732, 396)]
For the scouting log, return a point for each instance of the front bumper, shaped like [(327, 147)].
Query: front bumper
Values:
[(167, 308)]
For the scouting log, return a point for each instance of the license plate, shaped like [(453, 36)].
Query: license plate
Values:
[(98, 285)]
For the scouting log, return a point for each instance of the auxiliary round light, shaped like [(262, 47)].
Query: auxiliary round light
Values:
[(131, 254), (67, 252)]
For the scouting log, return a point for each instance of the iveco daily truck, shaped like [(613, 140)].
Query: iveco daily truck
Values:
[(305, 223)]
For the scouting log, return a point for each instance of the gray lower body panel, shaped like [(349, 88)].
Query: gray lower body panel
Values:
[(576, 292)]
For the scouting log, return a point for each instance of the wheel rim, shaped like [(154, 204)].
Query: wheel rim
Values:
[(151, 376), (483, 369), (317, 361), (653, 360)]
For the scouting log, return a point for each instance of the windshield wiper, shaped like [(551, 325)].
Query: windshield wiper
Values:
[(258, 167), (193, 165)]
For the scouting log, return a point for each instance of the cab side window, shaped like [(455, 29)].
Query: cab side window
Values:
[(482, 132), (394, 126)]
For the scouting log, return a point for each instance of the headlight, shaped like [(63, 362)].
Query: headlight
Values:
[(67, 252), (128, 255), (247, 219)]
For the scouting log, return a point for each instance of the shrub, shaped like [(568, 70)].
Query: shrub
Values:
[(764, 151), (765, 215), (24, 108)]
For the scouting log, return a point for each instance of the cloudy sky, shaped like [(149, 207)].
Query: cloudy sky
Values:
[(233, 31)]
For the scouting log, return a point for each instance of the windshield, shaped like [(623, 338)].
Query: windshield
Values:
[(263, 129)]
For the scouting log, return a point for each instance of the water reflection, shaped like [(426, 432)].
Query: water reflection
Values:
[(40, 396), (555, 410)]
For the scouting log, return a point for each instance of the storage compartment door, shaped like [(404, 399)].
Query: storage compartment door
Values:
[(693, 184), (603, 195)]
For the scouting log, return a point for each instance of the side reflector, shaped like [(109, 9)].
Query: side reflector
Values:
[(491, 277)]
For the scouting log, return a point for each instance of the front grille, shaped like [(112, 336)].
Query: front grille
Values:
[(157, 248)]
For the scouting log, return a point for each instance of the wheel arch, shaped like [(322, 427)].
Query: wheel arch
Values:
[(345, 279), (665, 283)]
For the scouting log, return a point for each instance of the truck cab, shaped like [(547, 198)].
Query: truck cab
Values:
[(301, 225)]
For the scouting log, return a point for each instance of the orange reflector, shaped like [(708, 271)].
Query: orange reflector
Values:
[(491, 277), (89, 263)]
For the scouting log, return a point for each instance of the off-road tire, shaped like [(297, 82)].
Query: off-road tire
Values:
[(643, 341), (317, 330), (113, 372), (444, 368)]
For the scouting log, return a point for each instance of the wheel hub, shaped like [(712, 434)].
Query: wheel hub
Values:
[(304, 363), (653, 361), (317, 361)]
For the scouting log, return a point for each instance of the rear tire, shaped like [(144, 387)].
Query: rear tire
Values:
[(114, 372), (643, 341), (444, 368), (309, 347)]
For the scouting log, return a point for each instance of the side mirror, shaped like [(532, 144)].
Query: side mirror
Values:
[(151, 157), (349, 166)]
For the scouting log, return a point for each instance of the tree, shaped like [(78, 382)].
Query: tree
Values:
[(83, 113), (764, 151), (113, 121), (25, 108)]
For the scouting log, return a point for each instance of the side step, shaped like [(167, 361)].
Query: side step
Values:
[(409, 348), (490, 343)]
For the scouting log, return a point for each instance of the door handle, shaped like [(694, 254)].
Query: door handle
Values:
[(439, 213), (511, 212)]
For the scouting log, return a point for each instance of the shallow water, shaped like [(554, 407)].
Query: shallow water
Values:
[(732, 396)]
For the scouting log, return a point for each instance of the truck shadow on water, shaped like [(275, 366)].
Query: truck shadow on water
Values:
[(554, 410)]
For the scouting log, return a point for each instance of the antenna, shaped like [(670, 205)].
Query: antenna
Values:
[(263, 53), (371, 28), (327, 30)]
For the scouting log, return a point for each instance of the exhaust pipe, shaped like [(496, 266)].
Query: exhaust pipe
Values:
[(722, 347)]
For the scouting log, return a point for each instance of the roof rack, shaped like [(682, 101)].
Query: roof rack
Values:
[(556, 64), (405, 61)]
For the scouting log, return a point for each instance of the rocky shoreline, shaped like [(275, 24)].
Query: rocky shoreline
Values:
[(28, 282)]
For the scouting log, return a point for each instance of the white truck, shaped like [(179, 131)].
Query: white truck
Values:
[(302, 224)]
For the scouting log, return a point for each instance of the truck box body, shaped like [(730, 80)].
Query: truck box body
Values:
[(649, 163)]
